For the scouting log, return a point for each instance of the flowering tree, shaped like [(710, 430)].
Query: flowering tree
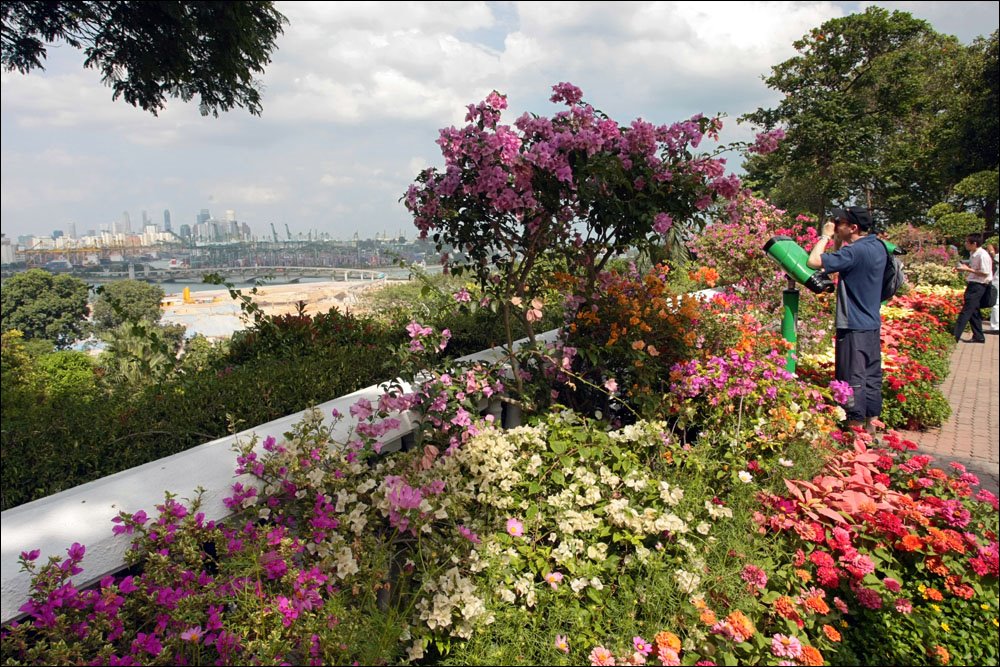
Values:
[(578, 187)]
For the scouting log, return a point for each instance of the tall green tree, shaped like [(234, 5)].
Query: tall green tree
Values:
[(127, 300), (138, 354), (868, 104), (149, 50), (44, 306)]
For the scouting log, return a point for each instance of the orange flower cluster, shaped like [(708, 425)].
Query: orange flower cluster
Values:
[(631, 310), (817, 604), (933, 594), (953, 584), (704, 275), (943, 541), (740, 624), (911, 542), (785, 607), (669, 640), (811, 656), (831, 633), (940, 653), (937, 566)]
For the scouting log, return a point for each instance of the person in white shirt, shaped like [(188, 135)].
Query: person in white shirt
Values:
[(978, 274), (991, 250)]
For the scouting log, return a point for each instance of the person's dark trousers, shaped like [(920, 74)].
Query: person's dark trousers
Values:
[(970, 312), (859, 364)]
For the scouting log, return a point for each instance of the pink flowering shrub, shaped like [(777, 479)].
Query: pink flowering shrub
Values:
[(746, 407), (515, 203)]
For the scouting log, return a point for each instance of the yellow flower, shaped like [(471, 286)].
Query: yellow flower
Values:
[(945, 627), (937, 609), (996, 623), (984, 607)]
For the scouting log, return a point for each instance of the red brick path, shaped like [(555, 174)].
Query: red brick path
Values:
[(972, 435)]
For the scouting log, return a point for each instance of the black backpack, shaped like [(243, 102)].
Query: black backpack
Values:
[(893, 278)]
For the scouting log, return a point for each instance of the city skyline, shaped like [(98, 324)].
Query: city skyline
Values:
[(356, 94)]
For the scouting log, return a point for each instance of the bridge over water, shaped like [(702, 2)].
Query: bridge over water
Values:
[(246, 274)]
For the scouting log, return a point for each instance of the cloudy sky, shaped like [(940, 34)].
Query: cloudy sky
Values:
[(356, 93)]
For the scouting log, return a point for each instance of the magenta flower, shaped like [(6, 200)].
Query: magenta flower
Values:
[(754, 576), (662, 223), (193, 635), (468, 534), (642, 646), (515, 528), (553, 579)]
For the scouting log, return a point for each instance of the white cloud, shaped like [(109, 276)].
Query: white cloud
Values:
[(357, 91)]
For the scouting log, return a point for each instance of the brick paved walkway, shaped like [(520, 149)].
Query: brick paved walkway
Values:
[(972, 435)]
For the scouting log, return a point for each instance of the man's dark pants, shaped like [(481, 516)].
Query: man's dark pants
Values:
[(859, 364), (970, 312)]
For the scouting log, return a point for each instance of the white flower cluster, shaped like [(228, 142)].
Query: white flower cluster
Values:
[(649, 433), (688, 582), (492, 460), (718, 511), (524, 586), (453, 605), (647, 522), (345, 563), (671, 495)]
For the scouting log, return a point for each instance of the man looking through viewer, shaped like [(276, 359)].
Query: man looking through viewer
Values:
[(859, 257)]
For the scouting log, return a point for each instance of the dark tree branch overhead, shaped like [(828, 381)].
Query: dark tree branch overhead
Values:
[(147, 51)]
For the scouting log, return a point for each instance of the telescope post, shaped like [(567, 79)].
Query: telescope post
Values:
[(790, 314)]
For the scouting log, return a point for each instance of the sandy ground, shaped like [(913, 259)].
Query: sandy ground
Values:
[(216, 315)]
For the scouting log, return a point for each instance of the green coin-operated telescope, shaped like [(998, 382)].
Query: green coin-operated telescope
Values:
[(793, 259)]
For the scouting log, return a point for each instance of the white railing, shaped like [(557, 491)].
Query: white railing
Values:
[(83, 514)]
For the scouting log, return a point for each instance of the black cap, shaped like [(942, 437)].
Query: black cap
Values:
[(856, 215)]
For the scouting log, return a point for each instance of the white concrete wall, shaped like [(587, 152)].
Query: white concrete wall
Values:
[(83, 514)]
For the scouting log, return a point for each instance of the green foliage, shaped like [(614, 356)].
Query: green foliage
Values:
[(940, 209), (138, 353), (69, 375), (44, 306), (126, 300), (147, 51), (871, 115), (919, 405), (201, 354), (977, 140), (954, 227)]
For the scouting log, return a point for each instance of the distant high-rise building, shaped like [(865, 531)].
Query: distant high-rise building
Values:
[(57, 233), (245, 229), (230, 215), (185, 231), (145, 220), (7, 250), (204, 216), (71, 230), (166, 220), (126, 223)]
